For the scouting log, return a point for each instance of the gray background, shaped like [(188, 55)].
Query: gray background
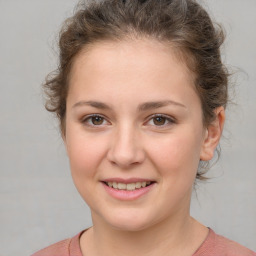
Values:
[(39, 204)]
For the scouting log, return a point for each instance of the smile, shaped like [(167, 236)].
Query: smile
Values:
[(128, 186), (130, 189)]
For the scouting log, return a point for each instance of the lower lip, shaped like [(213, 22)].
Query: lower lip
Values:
[(128, 195)]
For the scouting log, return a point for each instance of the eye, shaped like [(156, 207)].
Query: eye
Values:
[(94, 120), (160, 120)]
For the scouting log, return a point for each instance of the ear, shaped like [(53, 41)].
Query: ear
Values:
[(63, 136), (213, 135)]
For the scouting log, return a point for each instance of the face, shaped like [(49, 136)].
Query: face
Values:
[(134, 133)]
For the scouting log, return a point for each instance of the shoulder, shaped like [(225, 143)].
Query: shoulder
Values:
[(216, 245), (67, 247), (60, 248), (232, 248)]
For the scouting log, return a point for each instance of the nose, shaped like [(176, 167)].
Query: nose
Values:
[(126, 148)]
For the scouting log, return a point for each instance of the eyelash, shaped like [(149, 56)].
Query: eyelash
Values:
[(167, 120), (87, 119)]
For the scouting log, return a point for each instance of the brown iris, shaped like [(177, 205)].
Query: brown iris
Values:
[(97, 120), (159, 120)]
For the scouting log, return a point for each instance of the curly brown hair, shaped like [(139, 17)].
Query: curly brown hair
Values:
[(184, 24)]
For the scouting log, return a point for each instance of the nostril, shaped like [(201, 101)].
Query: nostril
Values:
[(126, 149), (124, 161)]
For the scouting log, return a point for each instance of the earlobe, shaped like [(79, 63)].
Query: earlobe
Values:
[(213, 135)]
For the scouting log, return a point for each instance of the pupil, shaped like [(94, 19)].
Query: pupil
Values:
[(97, 120), (159, 120)]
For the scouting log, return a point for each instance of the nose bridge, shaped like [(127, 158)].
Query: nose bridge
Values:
[(126, 148)]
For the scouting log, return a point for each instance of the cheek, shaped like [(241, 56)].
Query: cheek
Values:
[(177, 155), (85, 153)]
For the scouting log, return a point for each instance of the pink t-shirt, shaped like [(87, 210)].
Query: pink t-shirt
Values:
[(214, 245)]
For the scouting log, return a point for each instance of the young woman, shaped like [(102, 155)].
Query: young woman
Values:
[(140, 93)]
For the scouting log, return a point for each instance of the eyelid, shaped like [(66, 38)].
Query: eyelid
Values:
[(84, 120), (171, 120)]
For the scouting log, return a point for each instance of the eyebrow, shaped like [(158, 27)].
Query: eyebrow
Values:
[(142, 107), (95, 104), (158, 104)]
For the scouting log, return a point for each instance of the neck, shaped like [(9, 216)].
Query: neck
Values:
[(182, 237)]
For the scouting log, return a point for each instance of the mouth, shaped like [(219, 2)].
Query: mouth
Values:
[(128, 186), (128, 189)]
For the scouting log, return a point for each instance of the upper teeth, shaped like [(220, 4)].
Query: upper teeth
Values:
[(129, 186)]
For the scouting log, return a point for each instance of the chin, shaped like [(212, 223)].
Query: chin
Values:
[(122, 219), (131, 226), (129, 221)]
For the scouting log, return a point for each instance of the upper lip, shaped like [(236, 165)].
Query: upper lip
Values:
[(126, 181)]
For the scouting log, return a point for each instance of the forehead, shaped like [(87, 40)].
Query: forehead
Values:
[(130, 54), (128, 67)]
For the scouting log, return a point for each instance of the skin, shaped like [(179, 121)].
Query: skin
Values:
[(128, 141)]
